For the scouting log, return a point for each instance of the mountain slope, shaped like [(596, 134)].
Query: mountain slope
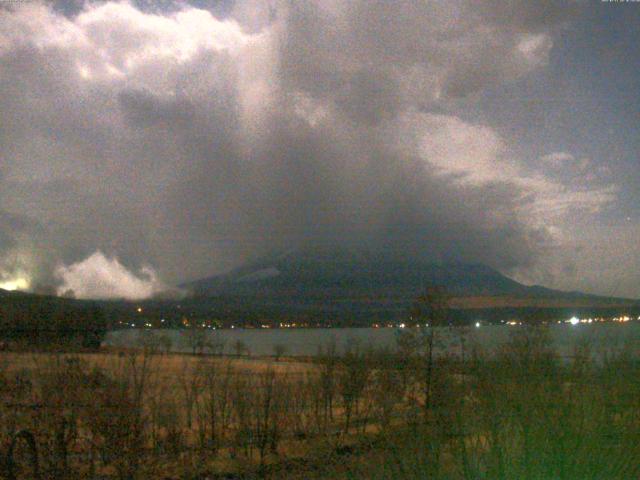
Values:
[(342, 273), (341, 287)]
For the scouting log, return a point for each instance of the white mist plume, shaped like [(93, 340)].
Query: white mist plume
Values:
[(101, 277)]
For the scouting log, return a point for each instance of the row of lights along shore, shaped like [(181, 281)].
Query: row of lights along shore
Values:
[(572, 321)]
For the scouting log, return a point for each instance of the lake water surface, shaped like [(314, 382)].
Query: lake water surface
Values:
[(602, 337)]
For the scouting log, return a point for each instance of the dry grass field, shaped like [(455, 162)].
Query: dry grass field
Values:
[(401, 413), (169, 396)]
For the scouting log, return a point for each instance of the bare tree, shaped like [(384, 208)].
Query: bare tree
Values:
[(327, 361), (353, 376), (189, 382), (215, 405), (165, 342), (266, 413), (240, 347), (278, 351), (431, 309), (196, 338)]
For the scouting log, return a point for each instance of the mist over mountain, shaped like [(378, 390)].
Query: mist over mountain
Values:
[(345, 272)]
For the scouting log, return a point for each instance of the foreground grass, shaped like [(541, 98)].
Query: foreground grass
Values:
[(522, 414), (516, 413)]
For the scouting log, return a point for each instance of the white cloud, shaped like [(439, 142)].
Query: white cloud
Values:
[(476, 155), (534, 49), (101, 277)]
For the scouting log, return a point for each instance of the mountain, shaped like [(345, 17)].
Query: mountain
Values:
[(344, 287), (343, 271), (329, 287), (332, 274)]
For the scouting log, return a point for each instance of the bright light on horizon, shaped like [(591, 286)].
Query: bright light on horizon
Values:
[(15, 284), (574, 321)]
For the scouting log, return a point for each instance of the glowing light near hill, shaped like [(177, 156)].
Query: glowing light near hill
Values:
[(15, 284), (574, 321)]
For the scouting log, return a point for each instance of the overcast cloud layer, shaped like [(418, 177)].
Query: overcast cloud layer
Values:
[(178, 144)]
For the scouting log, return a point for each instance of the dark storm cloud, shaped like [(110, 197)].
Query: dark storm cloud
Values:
[(10, 226), (191, 143)]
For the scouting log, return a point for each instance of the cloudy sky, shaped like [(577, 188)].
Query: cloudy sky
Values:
[(143, 144)]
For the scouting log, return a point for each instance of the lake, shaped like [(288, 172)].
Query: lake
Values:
[(603, 337)]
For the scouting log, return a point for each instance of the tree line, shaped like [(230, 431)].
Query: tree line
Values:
[(42, 320)]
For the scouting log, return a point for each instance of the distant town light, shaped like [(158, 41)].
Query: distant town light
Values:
[(574, 321), (477, 324)]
